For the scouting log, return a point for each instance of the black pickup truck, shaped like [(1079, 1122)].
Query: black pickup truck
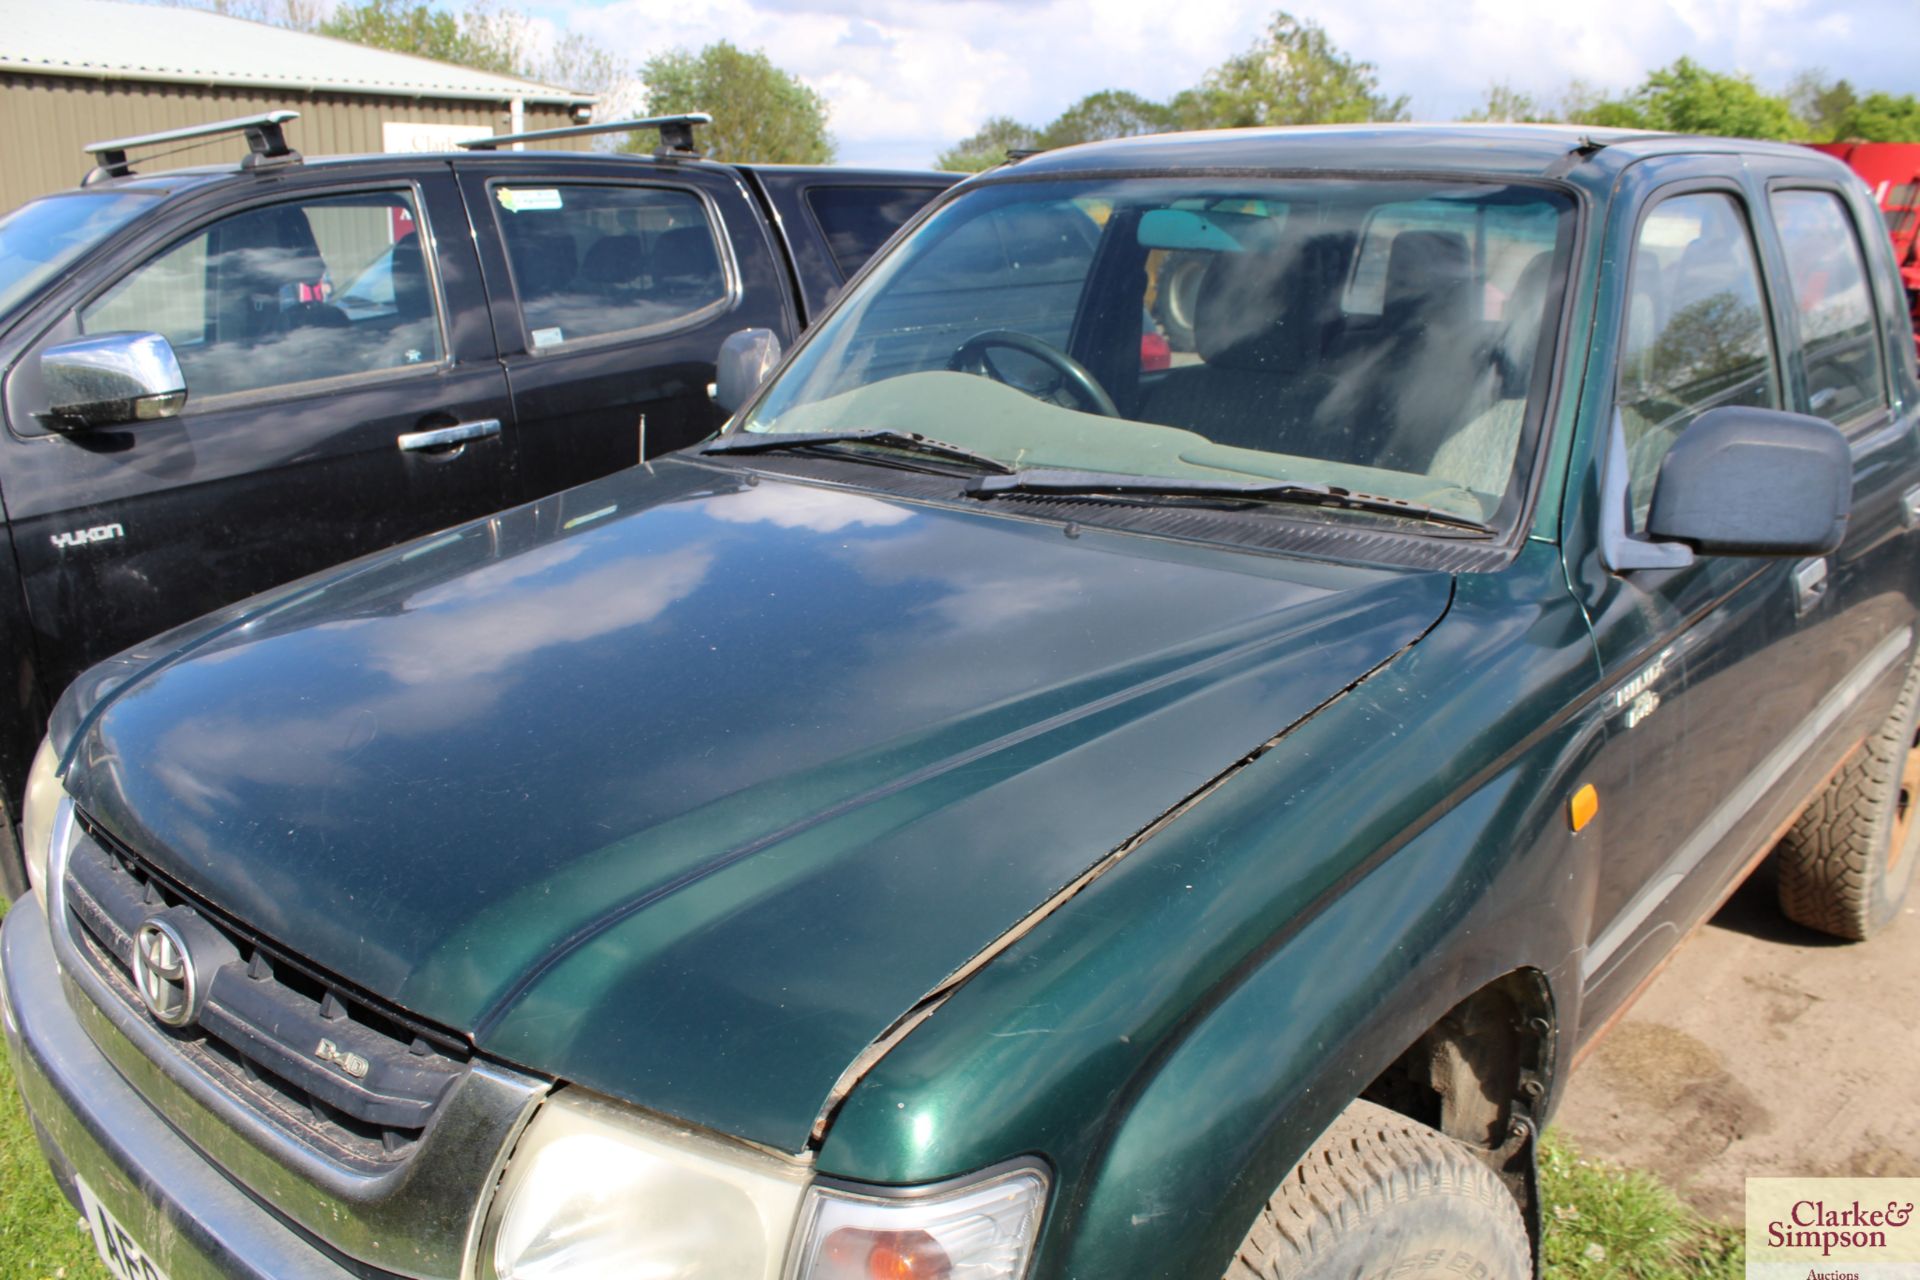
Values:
[(370, 348)]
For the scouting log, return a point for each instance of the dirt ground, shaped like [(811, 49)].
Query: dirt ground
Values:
[(1764, 1050)]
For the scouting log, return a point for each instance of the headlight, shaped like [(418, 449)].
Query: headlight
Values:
[(981, 1230), (597, 1190), (46, 810)]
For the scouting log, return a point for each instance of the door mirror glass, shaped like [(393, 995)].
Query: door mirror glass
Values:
[(111, 378), (1757, 482), (746, 358)]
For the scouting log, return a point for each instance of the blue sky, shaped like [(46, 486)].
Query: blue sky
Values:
[(905, 78)]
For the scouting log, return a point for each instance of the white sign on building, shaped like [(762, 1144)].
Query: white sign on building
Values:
[(399, 135)]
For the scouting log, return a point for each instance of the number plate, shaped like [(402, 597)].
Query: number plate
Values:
[(124, 1258)]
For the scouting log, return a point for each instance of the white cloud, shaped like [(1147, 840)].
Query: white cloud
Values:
[(906, 78)]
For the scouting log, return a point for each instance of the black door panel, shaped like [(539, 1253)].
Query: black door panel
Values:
[(611, 296), (122, 532)]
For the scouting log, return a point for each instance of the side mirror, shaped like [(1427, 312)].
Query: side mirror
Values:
[(746, 358), (1754, 482), (111, 378)]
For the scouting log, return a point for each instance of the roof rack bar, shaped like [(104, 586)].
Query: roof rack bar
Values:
[(676, 133), (266, 142)]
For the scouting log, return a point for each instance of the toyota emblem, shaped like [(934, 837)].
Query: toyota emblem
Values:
[(163, 970)]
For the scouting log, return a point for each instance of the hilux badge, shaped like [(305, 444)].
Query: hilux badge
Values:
[(163, 971), (351, 1063)]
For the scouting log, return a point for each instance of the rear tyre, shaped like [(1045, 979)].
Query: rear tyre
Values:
[(1381, 1195), (1847, 864)]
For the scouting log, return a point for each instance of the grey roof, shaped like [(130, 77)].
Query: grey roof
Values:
[(1515, 149), (119, 41)]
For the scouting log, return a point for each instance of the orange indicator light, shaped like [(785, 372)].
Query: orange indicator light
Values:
[(1585, 803)]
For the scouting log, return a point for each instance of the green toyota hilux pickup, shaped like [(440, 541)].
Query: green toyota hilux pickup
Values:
[(1033, 796)]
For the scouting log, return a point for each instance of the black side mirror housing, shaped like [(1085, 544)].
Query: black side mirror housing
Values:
[(746, 358), (1754, 482)]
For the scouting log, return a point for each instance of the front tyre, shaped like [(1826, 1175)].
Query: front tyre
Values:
[(1848, 862), (1380, 1195)]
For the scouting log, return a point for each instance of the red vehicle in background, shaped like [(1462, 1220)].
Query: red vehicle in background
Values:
[(1892, 171)]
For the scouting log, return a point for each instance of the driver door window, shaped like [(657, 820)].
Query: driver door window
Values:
[(285, 294), (1697, 336)]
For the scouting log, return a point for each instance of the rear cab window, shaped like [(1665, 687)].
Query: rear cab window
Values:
[(856, 221), (1833, 304), (592, 260)]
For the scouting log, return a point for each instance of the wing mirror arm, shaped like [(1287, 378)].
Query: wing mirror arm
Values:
[(1621, 550)]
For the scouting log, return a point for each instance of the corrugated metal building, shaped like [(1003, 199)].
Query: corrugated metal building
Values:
[(80, 71)]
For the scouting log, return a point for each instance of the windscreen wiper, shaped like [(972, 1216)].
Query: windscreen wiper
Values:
[(1041, 481), (887, 437)]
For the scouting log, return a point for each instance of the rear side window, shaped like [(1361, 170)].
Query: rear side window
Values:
[(1838, 336), (856, 221), (591, 260), (286, 293), (1696, 336)]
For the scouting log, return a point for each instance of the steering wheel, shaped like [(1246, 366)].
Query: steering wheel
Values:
[(971, 357)]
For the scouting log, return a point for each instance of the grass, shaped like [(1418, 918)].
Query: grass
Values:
[(1603, 1222), (1608, 1223), (40, 1233)]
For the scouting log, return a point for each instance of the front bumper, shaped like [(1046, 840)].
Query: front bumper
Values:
[(191, 1219)]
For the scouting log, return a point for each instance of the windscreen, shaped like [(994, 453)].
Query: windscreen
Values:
[(1384, 336), (43, 237)]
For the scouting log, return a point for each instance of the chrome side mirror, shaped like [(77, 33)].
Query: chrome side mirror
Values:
[(746, 358), (110, 378)]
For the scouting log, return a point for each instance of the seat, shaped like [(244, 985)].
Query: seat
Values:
[(615, 268), (1258, 324), (1432, 350), (685, 267), (1479, 455)]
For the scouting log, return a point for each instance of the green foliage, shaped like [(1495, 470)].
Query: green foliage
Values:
[(1505, 104), (1296, 75), (1110, 113), (1606, 1223), (989, 146), (1820, 104), (416, 28), (1881, 117), (761, 113), (1688, 98)]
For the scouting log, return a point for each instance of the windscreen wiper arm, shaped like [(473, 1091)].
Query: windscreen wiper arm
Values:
[(888, 437), (1099, 484)]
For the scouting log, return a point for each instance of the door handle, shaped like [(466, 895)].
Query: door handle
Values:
[(1809, 585), (459, 433), (1910, 507)]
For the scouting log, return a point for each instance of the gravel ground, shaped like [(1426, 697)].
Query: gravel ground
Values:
[(1764, 1050)]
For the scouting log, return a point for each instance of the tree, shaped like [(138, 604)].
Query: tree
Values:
[(416, 28), (989, 146), (1881, 117), (1820, 104), (1688, 98), (1296, 75), (297, 15), (1505, 104), (1110, 113), (761, 113)]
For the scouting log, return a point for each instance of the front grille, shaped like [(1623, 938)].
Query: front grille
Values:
[(335, 1069)]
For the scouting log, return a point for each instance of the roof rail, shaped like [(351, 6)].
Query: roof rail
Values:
[(676, 133), (266, 143)]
